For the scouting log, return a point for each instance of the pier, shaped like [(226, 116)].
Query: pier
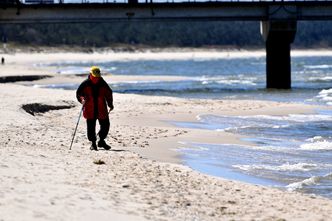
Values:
[(278, 20)]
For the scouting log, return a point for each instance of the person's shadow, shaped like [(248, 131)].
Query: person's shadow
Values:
[(114, 150)]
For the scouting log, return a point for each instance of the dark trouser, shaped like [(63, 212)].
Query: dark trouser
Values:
[(104, 127)]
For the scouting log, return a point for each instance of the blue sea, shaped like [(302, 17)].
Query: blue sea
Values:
[(292, 152)]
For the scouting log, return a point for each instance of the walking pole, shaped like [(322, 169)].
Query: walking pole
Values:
[(79, 117)]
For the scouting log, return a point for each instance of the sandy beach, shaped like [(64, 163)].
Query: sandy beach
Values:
[(143, 176)]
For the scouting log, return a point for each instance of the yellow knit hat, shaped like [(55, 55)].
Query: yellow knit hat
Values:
[(95, 71)]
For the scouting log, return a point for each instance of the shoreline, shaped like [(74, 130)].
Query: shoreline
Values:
[(52, 54), (142, 178)]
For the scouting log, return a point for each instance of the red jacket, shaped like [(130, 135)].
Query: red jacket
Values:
[(95, 96)]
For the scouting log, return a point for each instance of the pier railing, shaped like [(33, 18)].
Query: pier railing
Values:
[(278, 19), (138, 1)]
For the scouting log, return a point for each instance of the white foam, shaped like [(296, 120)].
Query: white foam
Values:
[(192, 147), (326, 78), (73, 70), (314, 180), (325, 91), (232, 82), (269, 148), (315, 139), (225, 80), (311, 53), (57, 86), (292, 117), (297, 167), (324, 66), (283, 167), (320, 145), (309, 117), (326, 96), (307, 182), (280, 126)]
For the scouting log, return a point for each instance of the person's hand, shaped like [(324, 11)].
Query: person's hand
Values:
[(82, 100), (111, 107)]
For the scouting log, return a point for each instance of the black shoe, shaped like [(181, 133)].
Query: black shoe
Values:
[(93, 146), (103, 144)]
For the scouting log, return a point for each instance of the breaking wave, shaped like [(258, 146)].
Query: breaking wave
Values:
[(323, 66), (319, 145), (283, 167), (314, 180), (325, 96)]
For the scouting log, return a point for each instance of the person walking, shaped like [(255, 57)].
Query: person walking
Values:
[(95, 95)]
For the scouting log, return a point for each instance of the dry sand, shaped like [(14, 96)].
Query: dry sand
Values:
[(142, 178)]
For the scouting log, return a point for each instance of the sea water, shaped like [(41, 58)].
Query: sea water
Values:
[(292, 151)]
